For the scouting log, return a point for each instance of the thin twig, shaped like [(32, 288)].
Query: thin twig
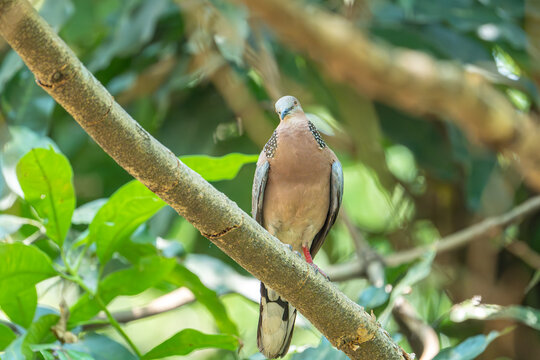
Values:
[(422, 338), (367, 258), (167, 302), (525, 253), (488, 227)]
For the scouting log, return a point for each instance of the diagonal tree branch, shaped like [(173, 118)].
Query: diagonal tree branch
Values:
[(410, 80), (61, 74)]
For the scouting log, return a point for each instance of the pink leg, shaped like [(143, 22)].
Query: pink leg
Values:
[(309, 260)]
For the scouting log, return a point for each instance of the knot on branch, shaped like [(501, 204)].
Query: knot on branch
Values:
[(217, 235), (58, 77)]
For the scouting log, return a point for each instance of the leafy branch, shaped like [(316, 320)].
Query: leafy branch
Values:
[(408, 79)]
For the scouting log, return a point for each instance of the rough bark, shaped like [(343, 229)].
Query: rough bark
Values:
[(61, 74)]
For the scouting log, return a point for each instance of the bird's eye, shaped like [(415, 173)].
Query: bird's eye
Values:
[(295, 102)]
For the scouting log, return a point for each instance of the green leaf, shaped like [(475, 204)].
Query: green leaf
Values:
[(22, 141), (132, 281), (468, 349), (21, 267), (471, 309), (126, 210), (21, 307), (323, 351), (6, 336), (61, 353), (181, 276), (39, 332), (187, 340), (218, 168), (100, 347), (416, 273), (14, 350), (372, 297), (47, 355), (46, 180)]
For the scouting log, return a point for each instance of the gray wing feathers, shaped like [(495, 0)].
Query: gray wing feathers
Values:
[(336, 195), (257, 194)]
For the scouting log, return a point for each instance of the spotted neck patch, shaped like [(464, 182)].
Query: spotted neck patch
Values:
[(271, 146), (316, 135)]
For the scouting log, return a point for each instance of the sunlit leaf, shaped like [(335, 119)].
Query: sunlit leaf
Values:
[(21, 267), (21, 307), (46, 180), (188, 340), (6, 336), (14, 350), (100, 347), (134, 280), (218, 168), (22, 140), (118, 218), (39, 331), (468, 349), (181, 276)]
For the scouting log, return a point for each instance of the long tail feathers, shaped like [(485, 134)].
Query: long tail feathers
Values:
[(276, 324)]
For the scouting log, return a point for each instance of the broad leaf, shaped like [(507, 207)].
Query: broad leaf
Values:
[(21, 307), (22, 141), (218, 168), (100, 347), (45, 177), (14, 350), (125, 211), (132, 281), (324, 351), (39, 332), (21, 267), (187, 340), (372, 297), (6, 336), (60, 353), (181, 276), (468, 349)]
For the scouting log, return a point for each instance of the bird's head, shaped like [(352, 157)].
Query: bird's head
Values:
[(287, 105)]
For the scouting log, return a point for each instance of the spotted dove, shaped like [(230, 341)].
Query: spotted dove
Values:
[(297, 193)]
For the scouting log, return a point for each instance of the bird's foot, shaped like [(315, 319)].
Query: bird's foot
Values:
[(309, 260), (319, 271), (289, 246)]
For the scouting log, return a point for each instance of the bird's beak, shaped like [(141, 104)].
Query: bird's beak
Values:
[(285, 113)]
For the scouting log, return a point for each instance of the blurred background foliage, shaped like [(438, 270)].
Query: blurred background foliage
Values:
[(202, 77)]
